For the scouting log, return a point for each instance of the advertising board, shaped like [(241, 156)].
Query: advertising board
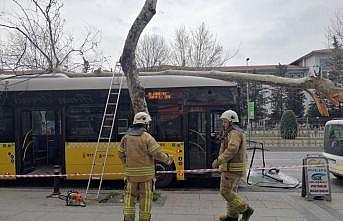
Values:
[(316, 178)]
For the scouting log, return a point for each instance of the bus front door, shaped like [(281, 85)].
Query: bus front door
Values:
[(26, 150), (39, 140), (197, 140)]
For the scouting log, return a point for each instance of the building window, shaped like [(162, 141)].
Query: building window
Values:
[(323, 62)]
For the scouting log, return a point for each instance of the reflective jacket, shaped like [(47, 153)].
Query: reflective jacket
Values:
[(138, 150), (233, 151)]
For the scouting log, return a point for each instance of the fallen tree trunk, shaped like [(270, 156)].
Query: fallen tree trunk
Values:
[(311, 84)]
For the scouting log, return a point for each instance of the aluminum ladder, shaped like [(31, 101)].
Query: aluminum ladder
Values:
[(106, 129)]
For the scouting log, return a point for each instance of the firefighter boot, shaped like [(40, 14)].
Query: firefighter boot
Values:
[(247, 213), (148, 218), (227, 218), (129, 218)]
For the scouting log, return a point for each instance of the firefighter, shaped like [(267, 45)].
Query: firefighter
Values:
[(137, 152), (231, 162)]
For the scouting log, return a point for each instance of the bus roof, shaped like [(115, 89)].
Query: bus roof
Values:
[(334, 122), (61, 82)]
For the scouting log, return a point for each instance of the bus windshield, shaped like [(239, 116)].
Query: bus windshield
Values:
[(333, 139)]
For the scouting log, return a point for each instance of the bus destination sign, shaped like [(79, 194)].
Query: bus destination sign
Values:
[(158, 95)]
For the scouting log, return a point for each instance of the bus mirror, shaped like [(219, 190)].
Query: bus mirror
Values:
[(331, 160)]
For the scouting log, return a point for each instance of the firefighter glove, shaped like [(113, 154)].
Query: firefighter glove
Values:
[(215, 164)]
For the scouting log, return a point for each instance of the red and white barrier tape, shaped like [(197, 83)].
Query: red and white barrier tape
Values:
[(195, 171)]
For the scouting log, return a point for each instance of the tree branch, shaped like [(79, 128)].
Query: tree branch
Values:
[(47, 17), (32, 42), (21, 56), (27, 18)]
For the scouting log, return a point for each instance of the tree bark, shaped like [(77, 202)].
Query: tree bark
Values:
[(127, 59)]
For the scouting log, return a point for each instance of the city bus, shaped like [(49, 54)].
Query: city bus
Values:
[(48, 120), (333, 146)]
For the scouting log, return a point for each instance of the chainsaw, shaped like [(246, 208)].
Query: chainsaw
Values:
[(73, 198)]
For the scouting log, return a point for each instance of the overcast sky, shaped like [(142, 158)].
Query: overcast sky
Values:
[(266, 31)]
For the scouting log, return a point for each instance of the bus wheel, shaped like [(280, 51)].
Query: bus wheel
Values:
[(164, 179)]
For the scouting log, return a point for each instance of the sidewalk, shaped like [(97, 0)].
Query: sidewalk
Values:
[(201, 205)]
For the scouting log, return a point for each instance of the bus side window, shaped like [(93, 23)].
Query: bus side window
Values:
[(84, 122), (6, 124), (123, 125), (216, 124), (166, 124), (333, 140), (332, 134)]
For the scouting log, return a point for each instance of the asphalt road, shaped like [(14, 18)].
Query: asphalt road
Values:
[(291, 159)]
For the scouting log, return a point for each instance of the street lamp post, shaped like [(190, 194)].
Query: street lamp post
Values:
[(248, 120)]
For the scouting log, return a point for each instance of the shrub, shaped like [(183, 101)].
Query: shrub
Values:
[(288, 125)]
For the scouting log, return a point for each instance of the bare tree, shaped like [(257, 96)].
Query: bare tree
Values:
[(152, 51), (194, 48), (335, 35), (197, 48), (335, 29), (180, 47), (336, 62), (37, 39)]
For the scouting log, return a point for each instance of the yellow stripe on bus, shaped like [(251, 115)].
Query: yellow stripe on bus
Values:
[(79, 157), (7, 160)]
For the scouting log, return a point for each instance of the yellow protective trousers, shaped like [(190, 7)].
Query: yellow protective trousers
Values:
[(228, 189), (142, 191)]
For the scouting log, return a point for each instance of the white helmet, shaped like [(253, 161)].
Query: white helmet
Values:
[(230, 115), (141, 118)]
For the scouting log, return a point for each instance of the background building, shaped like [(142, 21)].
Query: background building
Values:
[(317, 61)]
